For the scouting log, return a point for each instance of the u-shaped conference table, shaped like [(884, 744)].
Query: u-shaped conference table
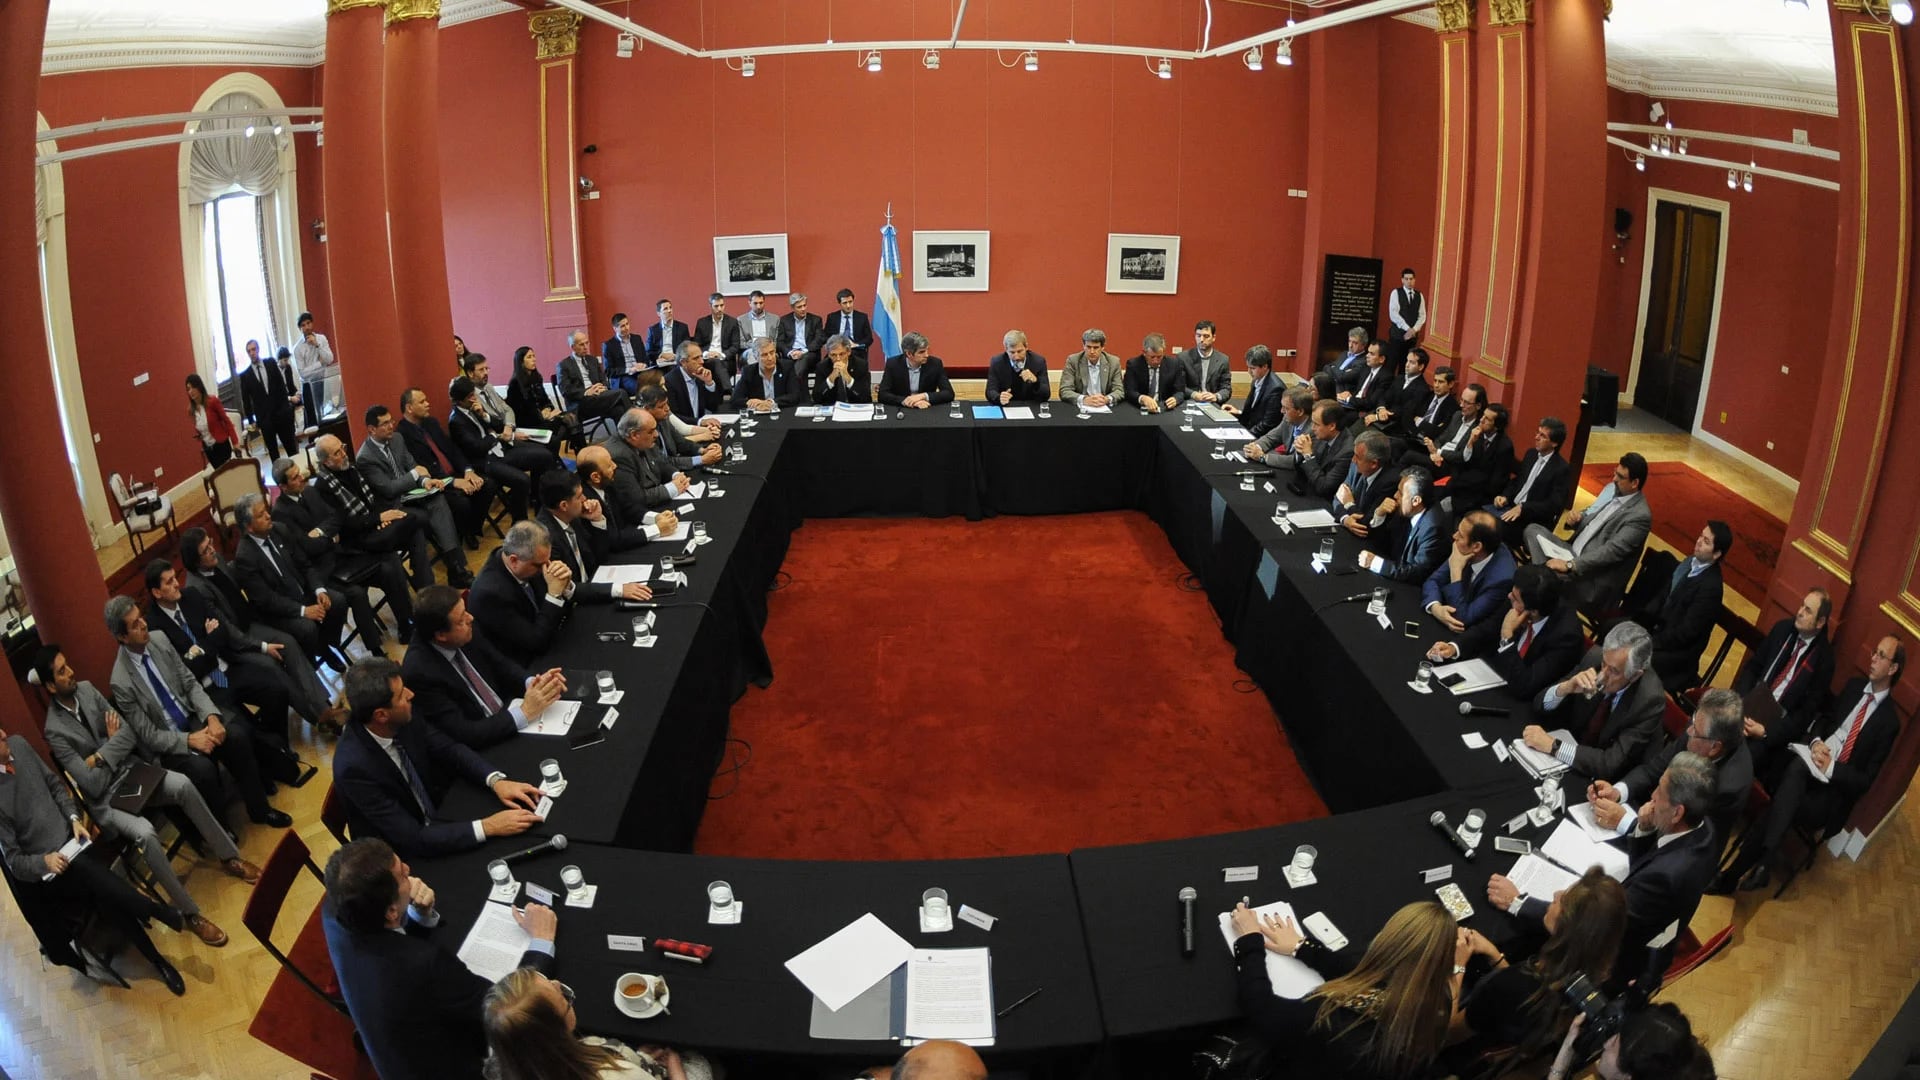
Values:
[(1096, 930)]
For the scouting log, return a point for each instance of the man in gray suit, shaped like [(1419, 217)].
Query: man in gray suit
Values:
[(1607, 539), (154, 688), (583, 382), (1611, 704), (638, 490), (390, 470), (1276, 447), (1092, 375), (100, 750), (1209, 375)]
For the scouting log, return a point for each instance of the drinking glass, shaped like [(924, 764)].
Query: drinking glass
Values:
[(603, 681)]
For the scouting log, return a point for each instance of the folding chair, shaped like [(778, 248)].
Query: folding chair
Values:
[(263, 910)]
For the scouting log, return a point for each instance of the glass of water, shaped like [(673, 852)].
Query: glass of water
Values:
[(699, 532), (499, 872), (1280, 509), (603, 682), (1423, 675), (550, 771), (1326, 550), (666, 568), (573, 879)]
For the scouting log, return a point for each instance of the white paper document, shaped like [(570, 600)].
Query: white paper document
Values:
[(695, 490), (1535, 876), (1223, 434), (69, 851), (537, 434), (1805, 753), (1574, 850), (681, 530), (1017, 412), (622, 573), (1311, 519), (555, 719), (1581, 814), (807, 412), (1290, 977), (949, 995), (727, 419), (1100, 410), (1475, 676), (494, 946), (851, 959), (845, 412), (1554, 549), (1539, 764)]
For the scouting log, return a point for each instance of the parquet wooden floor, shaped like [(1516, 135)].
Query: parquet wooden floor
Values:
[(1808, 985)]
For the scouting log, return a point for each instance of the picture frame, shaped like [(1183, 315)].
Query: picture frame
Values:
[(951, 260), (742, 264), (1143, 263)]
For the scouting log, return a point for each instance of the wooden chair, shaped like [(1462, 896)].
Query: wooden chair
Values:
[(225, 485), (333, 814), (142, 510), (263, 910)]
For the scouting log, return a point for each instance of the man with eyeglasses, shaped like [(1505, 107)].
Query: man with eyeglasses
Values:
[(1714, 734), (416, 1006)]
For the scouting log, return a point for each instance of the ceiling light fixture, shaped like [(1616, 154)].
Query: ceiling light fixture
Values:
[(1746, 180), (624, 46), (249, 131), (1252, 59), (1683, 144), (1283, 52), (746, 67), (873, 60), (1733, 179), (1164, 68), (1033, 60), (279, 129), (1902, 12), (1656, 112), (1640, 162), (931, 60)]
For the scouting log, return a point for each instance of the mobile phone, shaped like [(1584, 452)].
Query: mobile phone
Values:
[(1410, 628), (1512, 845), (1452, 678)]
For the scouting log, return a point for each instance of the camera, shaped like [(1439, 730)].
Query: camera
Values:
[(1604, 1014)]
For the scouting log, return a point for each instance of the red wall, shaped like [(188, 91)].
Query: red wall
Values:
[(816, 147), (124, 261), (1409, 163), (1776, 293)]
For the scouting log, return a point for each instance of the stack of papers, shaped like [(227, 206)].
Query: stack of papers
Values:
[(806, 412), (1541, 766), (948, 995), (681, 530), (1311, 519), (1805, 753), (1535, 876), (1017, 412), (727, 419), (622, 573), (1554, 549), (1475, 676), (494, 946), (1290, 977), (1575, 851), (1581, 814), (1223, 434), (555, 719), (850, 960), (848, 413), (1100, 409)]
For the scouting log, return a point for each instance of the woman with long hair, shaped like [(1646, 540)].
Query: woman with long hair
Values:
[(530, 1023), (218, 439), (1515, 1011), (1386, 1018), (527, 397)]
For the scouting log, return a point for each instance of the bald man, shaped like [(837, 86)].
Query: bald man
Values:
[(940, 1059), (596, 469)]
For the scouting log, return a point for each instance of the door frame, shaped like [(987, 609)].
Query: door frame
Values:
[(1656, 196)]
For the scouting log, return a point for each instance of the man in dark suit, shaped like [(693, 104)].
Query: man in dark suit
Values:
[(721, 340), (1370, 390), (234, 677), (1414, 539), (851, 324), (284, 589), (1018, 375), (1445, 424), (842, 375), (1371, 480), (1405, 400), (915, 379), (463, 685), (665, 336), (799, 337), (1535, 640), (1406, 317), (1671, 861), (1619, 711), (267, 400), (1480, 467), (469, 495), (581, 540), (394, 773), (692, 391), (386, 465), (1264, 406), (1795, 664), (1351, 367), (1277, 447), (1327, 456), (1470, 585), (414, 1005), (623, 356), (1713, 732), (522, 594), (768, 384), (1151, 382), (583, 382), (638, 487), (595, 468), (1207, 376), (216, 589), (680, 452), (1681, 608), (1844, 756), (1541, 487), (372, 523), (514, 465)]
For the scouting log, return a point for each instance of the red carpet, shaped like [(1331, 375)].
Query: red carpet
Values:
[(946, 689), (301, 1026), (1683, 501)]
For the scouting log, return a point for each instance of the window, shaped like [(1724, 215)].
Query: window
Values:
[(236, 293)]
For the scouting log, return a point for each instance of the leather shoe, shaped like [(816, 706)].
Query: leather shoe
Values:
[(273, 817), (1723, 884), (1756, 878), (333, 721), (204, 929), (241, 869), (171, 976), (473, 542)]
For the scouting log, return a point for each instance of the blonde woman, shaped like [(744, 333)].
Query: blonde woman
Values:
[(530, 1025)]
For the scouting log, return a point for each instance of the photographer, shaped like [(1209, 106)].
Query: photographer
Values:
[(1653, 1042), (1384, 1018)]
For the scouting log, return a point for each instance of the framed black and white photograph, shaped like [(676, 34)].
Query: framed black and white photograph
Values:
[(951, 261), (1138, 263), (742, 264)]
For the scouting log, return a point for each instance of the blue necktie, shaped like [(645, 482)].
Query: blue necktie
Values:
[(180, 617), (414, 782), (167, 701)]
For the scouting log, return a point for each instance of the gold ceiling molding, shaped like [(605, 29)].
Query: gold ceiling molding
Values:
[(335, 7), (403, 10), (1861, 7), (556, 34), (1454, 15), (1509, 12)]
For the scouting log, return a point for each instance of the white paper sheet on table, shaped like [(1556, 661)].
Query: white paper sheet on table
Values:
[(1581, 814), (1085, 408), (727, 419), (1535, 876), (555, 719), (621, 573), (1475, 676), (949, 995), (1290, 977), (846, 412), (1575, 851), (843, 965), (806, 412), (494, 946), (1223, 434), (1017, 412), (695, 490), (1311, 519), (681, 530)]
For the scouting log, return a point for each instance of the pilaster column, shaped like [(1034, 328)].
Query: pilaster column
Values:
[(1454, 190), (416, 233), (366, 331), (556, 36), (46, 527), (1343, 134)]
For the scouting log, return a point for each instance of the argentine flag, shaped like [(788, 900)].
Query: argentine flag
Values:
[(886, 299)]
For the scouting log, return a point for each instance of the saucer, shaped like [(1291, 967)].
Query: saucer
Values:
[(659, 1002)]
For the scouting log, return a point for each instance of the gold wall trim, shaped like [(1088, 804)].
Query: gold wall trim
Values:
[(556, 34), (576, 288), (1494, 373), (1487, 356), (1905, 610), (1454, 15), (335, 7), (1449, 236), (405, 10), (1509, 12), (1810, 546), (1861, 7)]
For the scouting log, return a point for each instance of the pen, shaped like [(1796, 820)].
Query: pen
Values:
[(1019, 1003)]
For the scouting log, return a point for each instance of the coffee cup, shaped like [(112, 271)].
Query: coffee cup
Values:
[(636, 993)]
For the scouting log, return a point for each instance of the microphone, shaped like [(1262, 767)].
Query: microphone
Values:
[(1356, 597), (556, 842), (1187, 897), (1258, 470), (1439, 821), (1468, 708)]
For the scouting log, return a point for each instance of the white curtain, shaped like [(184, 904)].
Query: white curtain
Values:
[(217, 166)]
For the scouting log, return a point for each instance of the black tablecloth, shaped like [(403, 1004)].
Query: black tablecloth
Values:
[(744, 999)]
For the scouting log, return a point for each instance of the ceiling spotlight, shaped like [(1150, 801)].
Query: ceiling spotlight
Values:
[(1666, 144), (1640, 162), (279, 129), (249, 132), (1033, 60), (746, 67), (1683, 144), (931, 61), (1252, 59), (1733, 179), (1746, 180), (624, 46), (1653, 144), (1164, 68), (1902, 12), (1283, 52), (1656, 112), (873, 60)]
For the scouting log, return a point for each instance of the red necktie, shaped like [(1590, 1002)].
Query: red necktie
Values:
[(1526, 640), (1859, 721), (1599, 721), (488, 699), (1785, 677)]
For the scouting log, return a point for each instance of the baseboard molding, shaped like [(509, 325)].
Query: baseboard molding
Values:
[(1748, 460), (1857, 841)]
